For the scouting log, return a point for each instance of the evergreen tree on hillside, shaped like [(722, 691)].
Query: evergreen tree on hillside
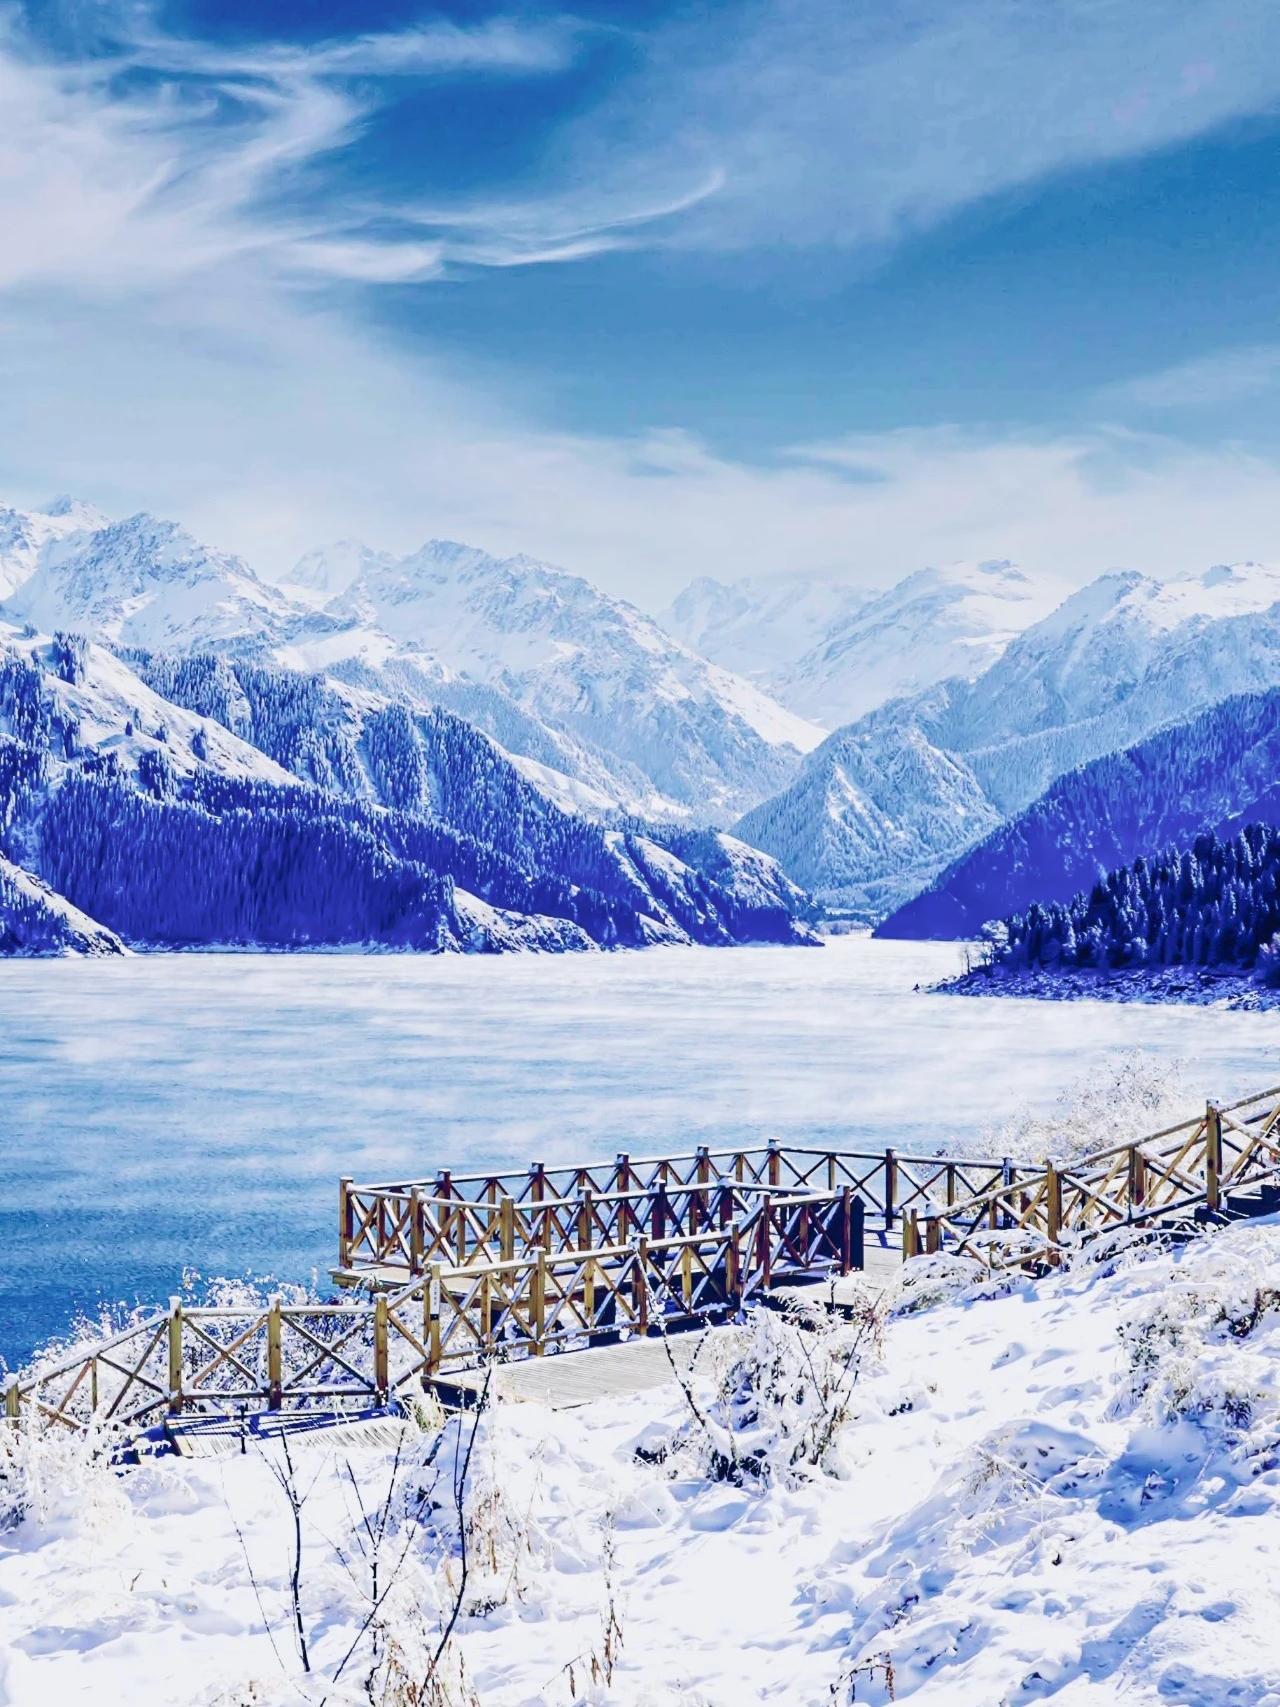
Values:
[(1216, 903)]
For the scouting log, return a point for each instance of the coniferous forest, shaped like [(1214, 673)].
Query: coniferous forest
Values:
[(1213, 904)]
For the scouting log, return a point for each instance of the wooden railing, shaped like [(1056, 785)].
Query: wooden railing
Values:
[(460, 1219), (1192, 1166), (304, 1356)]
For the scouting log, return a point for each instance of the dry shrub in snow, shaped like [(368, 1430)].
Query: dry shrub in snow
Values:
[(781, 1399)]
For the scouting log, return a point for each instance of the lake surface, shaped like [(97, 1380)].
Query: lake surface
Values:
[(165, 1113)]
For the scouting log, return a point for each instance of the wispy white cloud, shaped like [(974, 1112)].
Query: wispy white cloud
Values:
[(152, 158), (1224, 376), (827, 124)]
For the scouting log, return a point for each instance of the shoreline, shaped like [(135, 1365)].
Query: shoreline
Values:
[(1184, 986)]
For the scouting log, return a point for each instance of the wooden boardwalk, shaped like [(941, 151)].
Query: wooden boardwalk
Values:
[(604, 1259)]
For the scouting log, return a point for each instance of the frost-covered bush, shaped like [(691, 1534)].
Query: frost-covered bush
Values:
[(54, 1475), (780, 1400), (1204, 1347), (1128, 1097)]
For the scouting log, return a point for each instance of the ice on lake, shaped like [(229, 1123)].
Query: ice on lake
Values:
[(172, 1111)]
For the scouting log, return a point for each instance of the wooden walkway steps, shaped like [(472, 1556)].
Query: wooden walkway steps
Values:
[(224, 1436), (596, 1372)]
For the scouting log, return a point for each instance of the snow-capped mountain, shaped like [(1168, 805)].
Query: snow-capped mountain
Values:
[(759, 626), (328, 570), (147, 582), (938, 623), (877, 806), (585, 663), (1216, 772), (24, 535), (1122, 658), (833, 652), (208, 799)]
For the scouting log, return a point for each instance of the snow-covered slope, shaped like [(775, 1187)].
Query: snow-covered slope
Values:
[(1067, 1493), (876, 811), (37, 922), (146, 582), (588, 664), (760, 625), (24, 535), (952, 621), (1215, 772), (1117, 661)]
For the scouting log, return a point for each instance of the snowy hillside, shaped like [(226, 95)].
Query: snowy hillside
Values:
[(35, 921), (1121, 659), (877, 806), (1216, 771), (204, 801), (1065, 1493)]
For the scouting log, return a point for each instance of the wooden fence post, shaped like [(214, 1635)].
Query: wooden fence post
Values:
[(507, 1229), (932, 1235), (275, 1353), (584, 1221), (417, 1218), (344, 1222), (538, 1181), (431, 1313), (858, 1235), (733, 1268), (846, 1229), (1137, 1179), (1213, 1157), (175, 1356), (538, 1300), (1053, 1207), (640, 1284), (381, 1358), (774, 1166), (766, 1241), (890, 1185), (12, 1398), (686, 1275)]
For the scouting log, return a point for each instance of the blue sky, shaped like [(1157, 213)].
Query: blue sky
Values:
[(653, 290)]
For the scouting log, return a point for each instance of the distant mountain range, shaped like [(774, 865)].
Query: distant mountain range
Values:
[(928, 755), (884, 804)]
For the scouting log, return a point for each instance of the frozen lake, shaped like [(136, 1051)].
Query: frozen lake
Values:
[(164, 1112)]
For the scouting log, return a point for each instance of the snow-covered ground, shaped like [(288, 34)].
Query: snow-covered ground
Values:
[(1067, 1493)]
